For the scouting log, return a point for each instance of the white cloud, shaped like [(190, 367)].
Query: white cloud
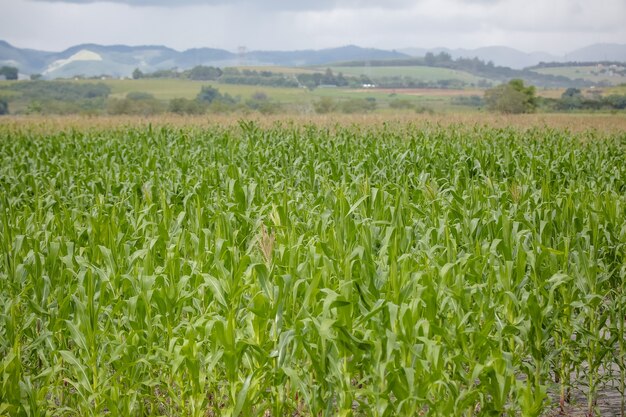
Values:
[(555, 26), (257, 4)]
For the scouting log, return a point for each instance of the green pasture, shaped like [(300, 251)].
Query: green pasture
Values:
[(585, 73), (422, 73)]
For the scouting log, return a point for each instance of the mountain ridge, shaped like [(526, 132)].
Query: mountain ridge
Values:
[(91, 59), (514, 58)]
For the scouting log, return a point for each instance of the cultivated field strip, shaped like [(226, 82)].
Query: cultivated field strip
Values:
[(307, 270)]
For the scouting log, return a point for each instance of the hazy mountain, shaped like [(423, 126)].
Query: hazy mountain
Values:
[(206, 56), (120, 60), (513, 58), (499, 55), (598, 52), (322, 56), (27, 60)]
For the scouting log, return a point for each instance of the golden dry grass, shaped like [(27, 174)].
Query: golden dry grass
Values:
[(603, 123)]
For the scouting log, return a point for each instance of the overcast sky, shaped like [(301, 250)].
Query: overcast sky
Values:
[(556, 26)]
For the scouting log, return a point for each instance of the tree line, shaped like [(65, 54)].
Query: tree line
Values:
[(515, 97), (478, 68), (9, 73), (245, 76)]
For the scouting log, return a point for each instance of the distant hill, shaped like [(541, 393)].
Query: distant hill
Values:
[(120, 60), (91, 60), (115, 60), (499, 55), (27, 60), (598, 52), (513, 58), (321, 57), (488, 72)]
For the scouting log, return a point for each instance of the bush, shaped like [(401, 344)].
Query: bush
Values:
[(268, 107), (224, 106), (424, 109), (85, 106), (511, 98), (10, 73), (60, 90), (356, 105), (185, 106), (261, 103), (208, 94), (471, 101), (202, 73), (4, 106), (616, 101), (325, 105), (132, 106), (401, 104), (259, 96), (139, 95)]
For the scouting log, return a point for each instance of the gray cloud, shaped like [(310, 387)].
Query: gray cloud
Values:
[(285, 5), (556, 26)]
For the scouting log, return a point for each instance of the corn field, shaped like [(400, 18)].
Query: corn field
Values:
[(301, 270)]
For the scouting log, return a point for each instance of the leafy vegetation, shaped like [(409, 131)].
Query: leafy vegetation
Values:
[(411, 76), (59, 97), (478, 68), (153, 96), (254, 77), (309, 271), (355, 105), (186, 106), (136, 103), (246, 76), (511, 98), (59, 90), (560, 64), (9, 73), (4, 106), (471, 101), (574, 99), (204, 73), (597, 74), (327, 78)]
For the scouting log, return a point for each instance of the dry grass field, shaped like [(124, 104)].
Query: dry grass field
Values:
[(601, 123)]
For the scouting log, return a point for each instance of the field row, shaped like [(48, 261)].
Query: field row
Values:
[(309, 270)]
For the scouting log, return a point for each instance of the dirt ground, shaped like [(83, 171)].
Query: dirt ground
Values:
[(608, 401), (608, 405)]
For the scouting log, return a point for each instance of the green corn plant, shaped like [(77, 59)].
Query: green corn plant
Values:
[(309, 270)]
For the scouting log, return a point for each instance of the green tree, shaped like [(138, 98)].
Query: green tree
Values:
[(571, 92), (185, 106), (357, 105), (10, 73), (513, 97), (325, 105), (401, 104), (208, 94), (572, 98), (429, 59), (139, 95), (137, 74), (616, 101), (203, 73), (135, 106), (329, 77), (4, 106)]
